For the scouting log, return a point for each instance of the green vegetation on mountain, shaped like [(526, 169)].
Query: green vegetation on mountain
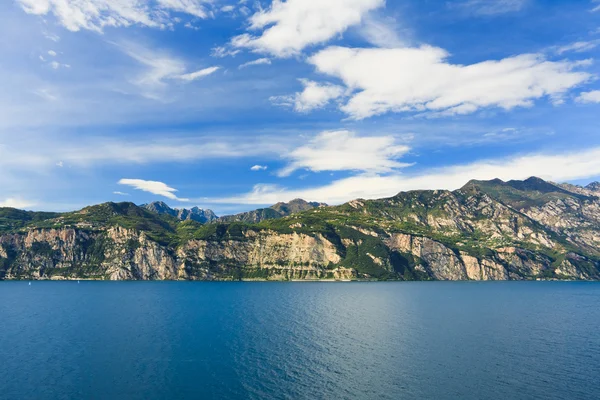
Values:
[(529, 229)]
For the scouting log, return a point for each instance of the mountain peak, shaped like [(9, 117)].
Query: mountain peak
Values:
[(278, 210), (594, 186), (195, 213)]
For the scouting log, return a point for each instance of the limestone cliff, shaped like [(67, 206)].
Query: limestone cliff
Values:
[(487, 230)]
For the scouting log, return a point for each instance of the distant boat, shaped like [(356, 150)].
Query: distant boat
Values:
[(29, 283)]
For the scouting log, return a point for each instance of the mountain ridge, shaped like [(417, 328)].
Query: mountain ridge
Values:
[(486, 230), (183, 214)]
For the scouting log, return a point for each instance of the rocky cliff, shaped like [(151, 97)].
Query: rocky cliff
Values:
[(487, 230)]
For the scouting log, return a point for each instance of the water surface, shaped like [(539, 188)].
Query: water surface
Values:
[(184, 340)]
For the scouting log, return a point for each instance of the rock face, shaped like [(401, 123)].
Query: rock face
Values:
[(182, 214), (487, 230), (125, 254)]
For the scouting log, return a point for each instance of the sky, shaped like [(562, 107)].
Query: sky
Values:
[(233, 105)]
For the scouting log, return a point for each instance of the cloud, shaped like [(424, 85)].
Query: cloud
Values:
[(42, 153), (555, 167), (578, 47), (315, 95), (121, 193), (160, 66), (589, 97), (227, 8), (198, 74), (260, 61), (345, 151), (160, 69), (50, 36), (13, 202), (223, 51), (52, 53), (258, 168), (95, 15), (490, 7), (57, 65), (422, 80), (381, 32), (289, 27), (154, 187), (45, 94)]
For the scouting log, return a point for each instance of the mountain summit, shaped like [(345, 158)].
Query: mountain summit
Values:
[(183, 214), (278, 210)]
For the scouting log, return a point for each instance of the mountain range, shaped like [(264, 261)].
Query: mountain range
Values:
[(182, 214), (487, 230), (208, 216)]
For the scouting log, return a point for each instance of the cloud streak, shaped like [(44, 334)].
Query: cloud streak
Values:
[(95, 15), (154, 187), (490, 7)]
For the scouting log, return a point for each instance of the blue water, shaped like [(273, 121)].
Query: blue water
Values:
[(185, 340)]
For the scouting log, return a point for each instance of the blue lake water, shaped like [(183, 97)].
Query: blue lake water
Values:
[(186, 340)]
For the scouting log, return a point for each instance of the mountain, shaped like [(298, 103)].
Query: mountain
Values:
[(182, 214), (278, 210), (486, 230), (594, 187)]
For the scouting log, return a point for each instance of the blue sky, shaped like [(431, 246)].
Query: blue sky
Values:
[(233, 105)]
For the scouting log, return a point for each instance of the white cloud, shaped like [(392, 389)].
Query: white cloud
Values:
[(589, 97), (258, 168), (60, 164), (227, 8), (557, 167), (260, 61), (16, 203), (46, 94), (490, 7), (578, 47), (315, 95), (50, 36), (52, 53), (160, 69), (198, 74), (288, 27), (381, 32), (159, 66), (420, 79), (223, 51), (121, 193), (97, 14), (42, 153), (345, 151), (154, 187)]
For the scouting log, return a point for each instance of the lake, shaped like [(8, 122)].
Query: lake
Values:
[(191, 340)]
